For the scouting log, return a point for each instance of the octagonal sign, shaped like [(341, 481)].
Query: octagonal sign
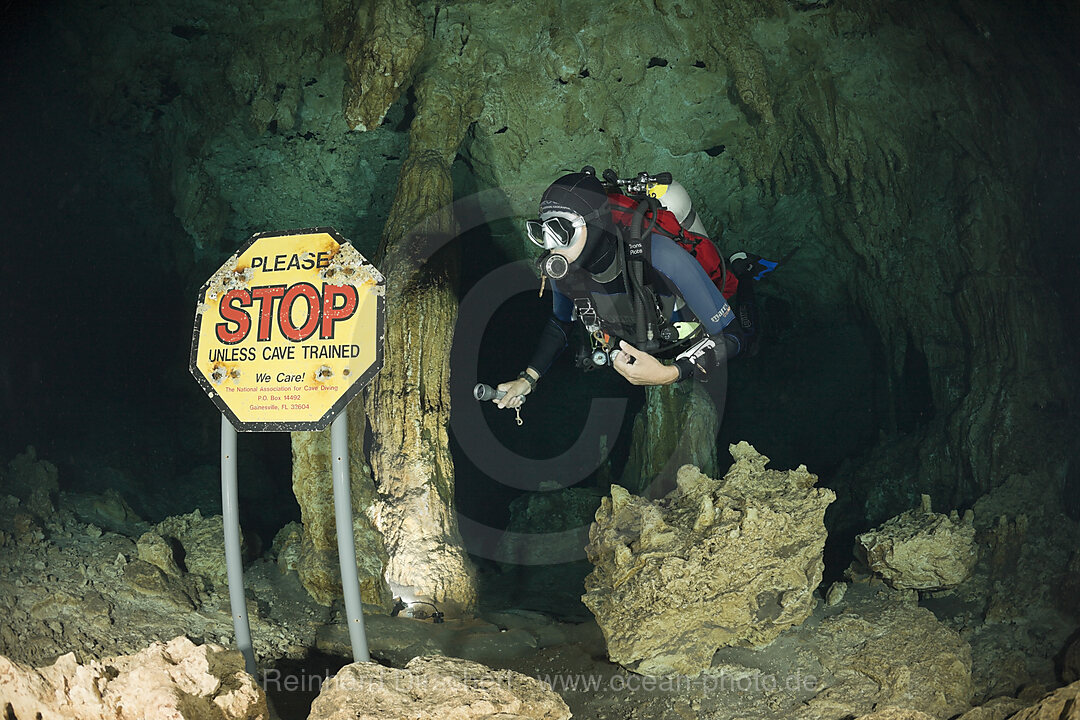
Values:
[(289, 330)]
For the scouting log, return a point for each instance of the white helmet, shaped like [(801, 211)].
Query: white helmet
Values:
[(675, 198)]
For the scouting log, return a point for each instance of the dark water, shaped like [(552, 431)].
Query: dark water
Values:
[(98, 304), (94, 368)]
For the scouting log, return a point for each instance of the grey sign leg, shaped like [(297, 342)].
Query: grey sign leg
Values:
[(354, 611), (234, 562)]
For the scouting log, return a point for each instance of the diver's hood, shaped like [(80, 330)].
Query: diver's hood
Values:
[(583, 194)]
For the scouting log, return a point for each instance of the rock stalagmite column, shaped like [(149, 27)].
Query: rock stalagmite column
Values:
[(313, 486), (381, 41), (403, 499), (677, 427), (409, 401)]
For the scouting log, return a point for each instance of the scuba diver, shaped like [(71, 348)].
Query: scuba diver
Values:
[(629, 261)]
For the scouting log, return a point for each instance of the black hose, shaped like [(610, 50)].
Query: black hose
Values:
[(642, 327)]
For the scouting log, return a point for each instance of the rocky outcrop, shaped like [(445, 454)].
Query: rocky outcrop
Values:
[(107, 511), (26, 475), (69, 585), (316, 557), (1062, 704), (435, 688), (1070, 662), (386, 38), (716, 563), (921, 549), (676, 427), (882, 649), (174, 680), (1017, 611), (201, 542), (997, 709), (895, 713)]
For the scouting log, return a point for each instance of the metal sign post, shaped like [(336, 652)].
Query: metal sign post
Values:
[(346, 543), (287, 332), (234, 562)]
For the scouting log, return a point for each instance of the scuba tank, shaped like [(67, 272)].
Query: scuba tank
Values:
[(651, 193), (641, 205), (673, 197)]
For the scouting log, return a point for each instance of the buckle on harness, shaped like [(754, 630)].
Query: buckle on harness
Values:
[(584, 311), (695, 352)]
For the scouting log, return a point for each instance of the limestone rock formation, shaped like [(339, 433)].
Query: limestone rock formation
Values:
[(1070, 662), (408, 403), (882, 649), (175, 679), (387, 37), (108, 511), (922, 550), (676, 427), (67, 585), (716, 563), (896, 713), (1062, 704), (1029, 548), (154, 549), (26, 474), (286, 547), (203, 544), (999, 708), (316, 558), (1018, 609), (435, 688)]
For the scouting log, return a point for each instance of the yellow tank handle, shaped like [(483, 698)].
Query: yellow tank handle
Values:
[(656, 190)]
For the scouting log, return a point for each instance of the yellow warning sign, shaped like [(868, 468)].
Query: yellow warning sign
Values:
[(289, 330)]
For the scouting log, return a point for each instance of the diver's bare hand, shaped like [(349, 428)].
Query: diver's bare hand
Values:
[(515, 390), (641, 368)]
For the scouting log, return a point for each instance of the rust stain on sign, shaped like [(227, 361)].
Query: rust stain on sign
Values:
[(230, 276), (288, 330), (348, 267)]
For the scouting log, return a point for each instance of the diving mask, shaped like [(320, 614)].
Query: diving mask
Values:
[(555, 232)]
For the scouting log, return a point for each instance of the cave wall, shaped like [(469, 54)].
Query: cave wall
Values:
[(896, 145), (237, 110)]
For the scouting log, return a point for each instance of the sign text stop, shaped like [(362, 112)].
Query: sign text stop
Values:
[(289, 330)]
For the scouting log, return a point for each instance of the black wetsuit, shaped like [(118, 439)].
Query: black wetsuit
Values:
[(684, 290)]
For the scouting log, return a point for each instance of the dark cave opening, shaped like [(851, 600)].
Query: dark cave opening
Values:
[(97, 369), (914, 399)]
